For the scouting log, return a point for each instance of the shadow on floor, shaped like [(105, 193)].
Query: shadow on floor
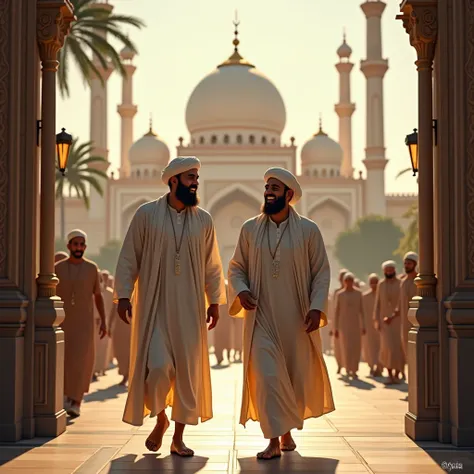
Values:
[(289, 462), (451, 459), (105, 394), (9, 452), (357, 383), (156, 463)]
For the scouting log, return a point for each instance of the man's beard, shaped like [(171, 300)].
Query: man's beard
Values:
[(389, 275), (184, 194), (77, 254), (409, 270), (270, 208)]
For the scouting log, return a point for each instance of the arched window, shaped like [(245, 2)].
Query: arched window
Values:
[(331, 173), (273, 141), (201, 140), (324, 173), (226, 139), (264, 140), (315, 173), (239, 139), (193, 141), (213, 139), (251, 139), (145, 174), (138, 174), (155, 173), (306, 172)]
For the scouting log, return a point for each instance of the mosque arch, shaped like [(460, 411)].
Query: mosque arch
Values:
[(315, 173), (323, 173), (129, 211), (155, 173), (329, 200), (331, 173), (146, 173), (239, 139), (138, 174), (226, 139), (201, 140), (231, 191), (214, 139), (251, 139), (264, 140)]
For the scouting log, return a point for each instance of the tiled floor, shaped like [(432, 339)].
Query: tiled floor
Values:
[(364, 434)]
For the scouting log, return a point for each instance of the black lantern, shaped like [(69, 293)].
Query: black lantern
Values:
[(412, 142), (63, 146)]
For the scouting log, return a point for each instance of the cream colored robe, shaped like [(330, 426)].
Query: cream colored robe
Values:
[(103, 346), (145, 272), (386, 301), (407, 292), (223, 334), (285, 376), (371, 340), (78, 325), (349, 322), (121, 335), (336, 342)]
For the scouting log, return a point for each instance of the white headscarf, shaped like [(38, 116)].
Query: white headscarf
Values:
[(288, 179), (76, 233), (349, 276), (389, 263), (179, 165), (411, 256)]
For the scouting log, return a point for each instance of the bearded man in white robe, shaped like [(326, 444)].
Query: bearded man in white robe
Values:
[(280, 276), (169, 266)]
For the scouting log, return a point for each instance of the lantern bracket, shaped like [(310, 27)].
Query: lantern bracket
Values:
[(39, 126)]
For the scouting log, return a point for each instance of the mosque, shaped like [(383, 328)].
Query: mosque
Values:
[(235, 117)]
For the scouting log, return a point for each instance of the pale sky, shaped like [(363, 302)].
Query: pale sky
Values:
[(293, 42)]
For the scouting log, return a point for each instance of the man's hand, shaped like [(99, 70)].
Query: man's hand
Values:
[(312, 320), (123, 308), (247, 300), (212, 314), (387, 320), (102, 330), (336, 334)]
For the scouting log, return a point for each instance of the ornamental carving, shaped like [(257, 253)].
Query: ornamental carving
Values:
[(469, 121), (4, 130), (53, 23)]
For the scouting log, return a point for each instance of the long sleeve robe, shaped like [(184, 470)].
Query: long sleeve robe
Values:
[(121, 335), (349, 322), (335, 341), (223, 334), (371, 340), (103, 346), (169, 350), (407, 292), (386, 301), (83, 282), (285, 376)]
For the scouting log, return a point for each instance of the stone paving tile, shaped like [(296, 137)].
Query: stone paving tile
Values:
[(363, 435)]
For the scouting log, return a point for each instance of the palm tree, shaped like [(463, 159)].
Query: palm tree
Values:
[(78, 176), (85, 37), (402, 172)]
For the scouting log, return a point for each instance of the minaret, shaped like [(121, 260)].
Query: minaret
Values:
[(345, 108), (126, 111), (374, 69), (98, 125)]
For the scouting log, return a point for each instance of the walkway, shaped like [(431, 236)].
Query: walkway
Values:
[(364, 434)]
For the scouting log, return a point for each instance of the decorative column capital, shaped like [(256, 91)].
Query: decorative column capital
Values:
[(420, 20), (54, 18)]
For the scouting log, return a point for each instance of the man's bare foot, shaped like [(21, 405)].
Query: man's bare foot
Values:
[(124, 381), (180, 449), (273, 450), (287, 443), (154, 441)]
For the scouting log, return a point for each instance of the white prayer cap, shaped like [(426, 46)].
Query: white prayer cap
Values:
[(343, 271), (105, 272), (411, 256), (61, 253), (76, 233), (349, 276), (288, 179), (179, 165), (388, 263), (373, 275)]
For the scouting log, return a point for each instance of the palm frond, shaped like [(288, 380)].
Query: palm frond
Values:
[(90, 159), (96, 172), (402, 172), (93, 182), (83, 193)]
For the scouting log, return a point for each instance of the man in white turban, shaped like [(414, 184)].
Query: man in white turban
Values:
[(279, 274), (371, 341), (79, 288), (407, 292), (386, 302), (168, 269)]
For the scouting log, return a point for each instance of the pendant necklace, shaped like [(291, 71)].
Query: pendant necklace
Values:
[(73, 294), (275, 263), (177, 261)]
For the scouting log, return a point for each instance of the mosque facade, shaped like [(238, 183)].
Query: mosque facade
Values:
[(235, 118)]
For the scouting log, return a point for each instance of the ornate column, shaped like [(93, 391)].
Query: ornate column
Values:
[(53, 21), (421, 423)]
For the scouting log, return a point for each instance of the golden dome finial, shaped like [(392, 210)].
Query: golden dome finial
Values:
[(320, 132), (150, 132), (236, 58)]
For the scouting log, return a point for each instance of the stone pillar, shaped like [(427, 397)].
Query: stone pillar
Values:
[(421, 422), (53, 21), (374, 69), (126, 111), (98, 125), (345, 108)]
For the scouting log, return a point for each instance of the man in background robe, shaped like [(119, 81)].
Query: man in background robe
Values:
[(335, 340), (170, 262), (386, 301), (58, 256), (79, 288), (223, 336), (280, 276), (371, 341), (407, 292), (103, 346), (349, 324)]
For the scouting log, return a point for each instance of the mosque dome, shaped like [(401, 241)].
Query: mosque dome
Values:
[(344, 51), (149, 150), (321, 149), (235, 95)]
